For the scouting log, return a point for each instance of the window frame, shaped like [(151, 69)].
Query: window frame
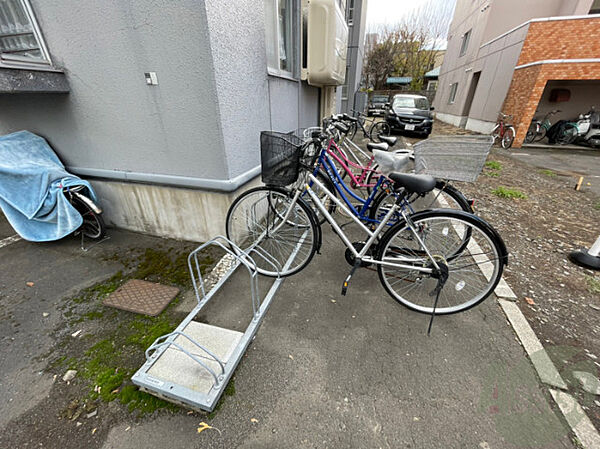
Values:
[(464, 43), (453, 90), (293, 58), (25, 63)]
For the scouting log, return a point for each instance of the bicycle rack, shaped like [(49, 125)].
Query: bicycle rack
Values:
[(192, 365)]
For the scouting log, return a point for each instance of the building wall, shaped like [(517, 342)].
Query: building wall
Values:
[(508, 14), (584, 95), (562, 39), (496, 54), (112, 119), (529, 83), (200, 124), (570, 39)]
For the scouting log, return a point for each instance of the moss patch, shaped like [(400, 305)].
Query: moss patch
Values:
[(493, 165), (112, 347), (549, 173), (506, 192)]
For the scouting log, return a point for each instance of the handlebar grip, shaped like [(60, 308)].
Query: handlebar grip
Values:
[(341, 127)]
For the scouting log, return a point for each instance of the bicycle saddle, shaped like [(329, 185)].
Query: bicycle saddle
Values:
[(377, 146), (413, 183), (390, 140)]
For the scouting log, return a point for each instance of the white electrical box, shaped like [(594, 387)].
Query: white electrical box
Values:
[(327, 43)]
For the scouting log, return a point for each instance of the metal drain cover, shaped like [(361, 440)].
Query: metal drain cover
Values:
[(143, 297)]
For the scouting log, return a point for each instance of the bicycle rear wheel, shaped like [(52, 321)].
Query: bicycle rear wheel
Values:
[(280, 236), (444, 196), (379, 128), (474, 269), (93, 226)]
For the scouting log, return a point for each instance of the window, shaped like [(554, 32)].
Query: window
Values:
[(595, 9), (21, 41), (465, 43), (280, 37), (452, 97), (410, 102), (432, 85)]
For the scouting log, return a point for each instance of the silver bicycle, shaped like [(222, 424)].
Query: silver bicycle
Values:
[(437, 261)]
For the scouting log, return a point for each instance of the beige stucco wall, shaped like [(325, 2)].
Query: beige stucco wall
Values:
[(496, 60)]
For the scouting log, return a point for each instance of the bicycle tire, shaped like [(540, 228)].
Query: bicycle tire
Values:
[(532, 133), (93, 226), (351, 131), (492, 259), (508, 137), (541, 134), (369, 178), (379, 128), (495, 133), (301, 233), (458, 201)]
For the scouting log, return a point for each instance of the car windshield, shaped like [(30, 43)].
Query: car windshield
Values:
[(379, 100), (411, 102)]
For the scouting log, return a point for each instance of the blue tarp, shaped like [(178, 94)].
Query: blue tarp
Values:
[(31, 183)]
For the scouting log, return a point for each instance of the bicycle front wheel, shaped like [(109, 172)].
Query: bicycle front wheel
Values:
[(379, 128), (281, 235), (508, 138), (474, 268)]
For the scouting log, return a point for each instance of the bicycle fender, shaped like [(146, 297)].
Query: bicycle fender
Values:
[(88, 202)]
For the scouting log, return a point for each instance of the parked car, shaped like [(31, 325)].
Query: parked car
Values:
[(410, 113), (377, 105)]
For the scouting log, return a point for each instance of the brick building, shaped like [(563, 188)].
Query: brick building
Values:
[(514, 56)]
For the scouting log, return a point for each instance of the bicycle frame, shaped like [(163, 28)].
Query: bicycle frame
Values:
[(373, 234), (341, 187), (343, 160)]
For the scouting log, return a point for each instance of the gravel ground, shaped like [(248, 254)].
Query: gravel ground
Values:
[(560, 300)]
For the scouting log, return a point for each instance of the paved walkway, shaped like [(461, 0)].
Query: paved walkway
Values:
[(324, 370), (575, 163)]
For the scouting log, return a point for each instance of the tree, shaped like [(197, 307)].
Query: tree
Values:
[(408, 47)]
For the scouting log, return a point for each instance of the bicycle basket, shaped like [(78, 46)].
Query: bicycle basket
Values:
[(455, 158), (280, 158)]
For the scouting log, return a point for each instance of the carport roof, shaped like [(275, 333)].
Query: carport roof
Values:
[(399, 80)]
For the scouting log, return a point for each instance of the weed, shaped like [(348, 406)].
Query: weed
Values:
[(593, 284), (506, 192), (597, 205), (549, 173), (493, 165), (492, 173)]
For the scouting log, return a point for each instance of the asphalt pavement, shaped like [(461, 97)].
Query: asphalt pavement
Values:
[(324, 370)]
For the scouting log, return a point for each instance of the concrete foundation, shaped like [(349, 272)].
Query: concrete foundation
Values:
[(187, 214)]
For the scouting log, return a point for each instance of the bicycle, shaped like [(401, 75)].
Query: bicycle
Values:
[(538, 129), (375, 129), (503, 131), (452, 256), (93, 226), (328, 171)]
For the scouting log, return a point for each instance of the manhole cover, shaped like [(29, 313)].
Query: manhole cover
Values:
[(143, 297)]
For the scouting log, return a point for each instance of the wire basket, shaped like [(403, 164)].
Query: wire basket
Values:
[(455, 158), (280, 158)]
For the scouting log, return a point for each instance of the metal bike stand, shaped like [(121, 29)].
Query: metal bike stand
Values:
[(192, 365)]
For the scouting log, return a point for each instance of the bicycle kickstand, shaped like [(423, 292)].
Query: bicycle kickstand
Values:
[(442, 277), (347, 281)]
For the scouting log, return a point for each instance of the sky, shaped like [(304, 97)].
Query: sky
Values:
[(391, 11)]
